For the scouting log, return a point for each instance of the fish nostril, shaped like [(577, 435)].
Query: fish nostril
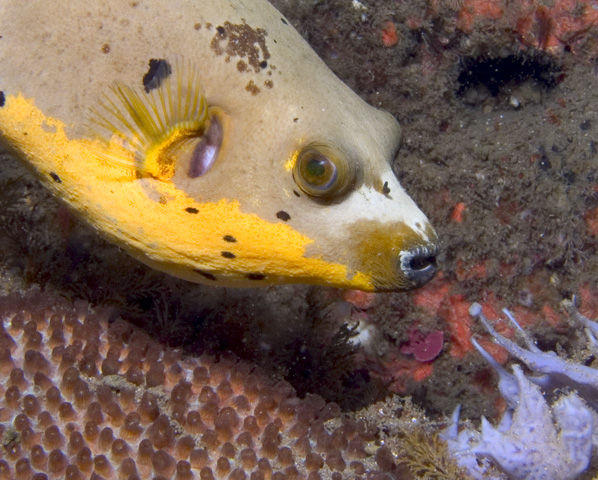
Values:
[(419, 265)]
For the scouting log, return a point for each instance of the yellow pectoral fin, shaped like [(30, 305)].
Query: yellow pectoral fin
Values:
[(158, 124)]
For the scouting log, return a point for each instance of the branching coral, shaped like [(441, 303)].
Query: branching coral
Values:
[(534, 440)]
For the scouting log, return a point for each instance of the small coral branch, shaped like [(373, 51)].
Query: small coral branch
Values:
[(428, 457)]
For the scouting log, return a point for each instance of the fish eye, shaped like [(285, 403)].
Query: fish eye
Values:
[(322, 172)]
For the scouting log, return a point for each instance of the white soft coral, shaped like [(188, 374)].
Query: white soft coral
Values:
[(534, 441)]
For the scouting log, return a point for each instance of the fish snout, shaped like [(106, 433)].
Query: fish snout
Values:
[(418, 264)]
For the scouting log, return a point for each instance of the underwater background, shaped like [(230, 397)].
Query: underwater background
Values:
[(498, 104)]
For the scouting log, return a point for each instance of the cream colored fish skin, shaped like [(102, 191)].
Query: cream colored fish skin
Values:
[(64, 55)]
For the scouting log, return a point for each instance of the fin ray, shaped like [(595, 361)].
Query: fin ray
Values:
[(143, 130)]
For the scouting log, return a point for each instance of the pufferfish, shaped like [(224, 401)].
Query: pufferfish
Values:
[(207, 139)]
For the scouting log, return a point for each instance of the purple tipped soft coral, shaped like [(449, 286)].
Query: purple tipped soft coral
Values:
[(534, 440)]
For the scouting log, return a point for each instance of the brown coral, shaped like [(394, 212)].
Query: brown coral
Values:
[(85, 397)]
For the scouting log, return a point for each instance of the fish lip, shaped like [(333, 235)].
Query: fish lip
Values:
[(418, 264)]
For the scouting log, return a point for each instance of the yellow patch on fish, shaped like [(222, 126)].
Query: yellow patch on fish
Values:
[(222, 151)]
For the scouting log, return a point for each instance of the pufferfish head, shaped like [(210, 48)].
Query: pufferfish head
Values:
[(370, 221), (304, 178)]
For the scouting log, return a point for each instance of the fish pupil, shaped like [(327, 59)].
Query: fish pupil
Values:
[(316, 167), (320, 171)]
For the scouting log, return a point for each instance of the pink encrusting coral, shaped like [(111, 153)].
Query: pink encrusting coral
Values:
[(550, 27), (424, 347), (86, 397)]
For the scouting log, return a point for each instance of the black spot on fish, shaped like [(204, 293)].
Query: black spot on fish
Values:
[(228, 255), (263, 64), (55, 177), (296, 193), (2, 99), (256, 276), (282, 215), (385, 189), (191, 210), (221, 31), (283, 21), (207, 275), (229, 238), (158, 71)]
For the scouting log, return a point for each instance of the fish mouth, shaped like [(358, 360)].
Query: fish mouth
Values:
[(418, 264)]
